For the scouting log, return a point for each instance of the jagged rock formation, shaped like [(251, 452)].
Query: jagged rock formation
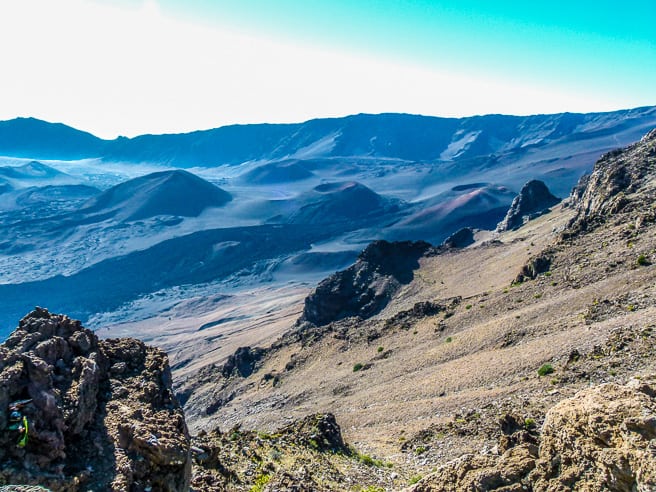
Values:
[(364, 288), (534, 267), (534, 199), (102, 414), (601, 439), (460, 239), (621, 181), (242, 362)]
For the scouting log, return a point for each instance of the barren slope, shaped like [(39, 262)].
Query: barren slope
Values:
[(422, 383)]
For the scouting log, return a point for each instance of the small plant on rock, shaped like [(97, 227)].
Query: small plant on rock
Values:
[(357, 367)]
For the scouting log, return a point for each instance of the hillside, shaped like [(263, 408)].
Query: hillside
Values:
[(523, 361), (163, 193), (473, 349)]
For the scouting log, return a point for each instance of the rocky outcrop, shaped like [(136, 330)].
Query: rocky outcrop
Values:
[(366, 287), (100, 413), (306, 455), (460, 239), (533, 200), (242, 362), (621, 181), (601, 439), (534, 267)]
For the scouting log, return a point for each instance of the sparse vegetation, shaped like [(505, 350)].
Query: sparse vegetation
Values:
[(372, 488), (529, 423), (643, 261), (368, 460), (260, 483), (414, 479), (448, 340), (420, 450), (468, 306), (357, 367), (380, 349), (545, 369)]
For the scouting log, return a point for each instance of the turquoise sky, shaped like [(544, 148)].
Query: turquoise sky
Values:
[(611, 44), (128, 67)]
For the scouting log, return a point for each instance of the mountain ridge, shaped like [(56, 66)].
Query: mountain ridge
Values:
[(392, 135)]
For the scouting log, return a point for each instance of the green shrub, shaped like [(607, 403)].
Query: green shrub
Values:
[(357, 367), (369, 461), (420, 450), (545, 369), (415, 479), (642, 260), (380, 349), (260, 483), (529, 423), (448, 340), (468, 306)]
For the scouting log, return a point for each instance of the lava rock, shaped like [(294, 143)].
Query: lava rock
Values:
[(534, 199), (125, 425), (460, 239), (366, 287)]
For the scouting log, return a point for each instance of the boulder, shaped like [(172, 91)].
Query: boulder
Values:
[(600, 439)]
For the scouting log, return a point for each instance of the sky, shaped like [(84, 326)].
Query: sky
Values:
[(130, 67)]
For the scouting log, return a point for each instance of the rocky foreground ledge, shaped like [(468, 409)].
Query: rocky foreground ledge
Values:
[(102, 415), (603, 438)]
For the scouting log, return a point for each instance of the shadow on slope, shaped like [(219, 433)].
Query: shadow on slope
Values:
[(193, 259)]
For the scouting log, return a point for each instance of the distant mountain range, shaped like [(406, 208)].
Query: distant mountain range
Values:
[(105, 223), (395, 136)]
